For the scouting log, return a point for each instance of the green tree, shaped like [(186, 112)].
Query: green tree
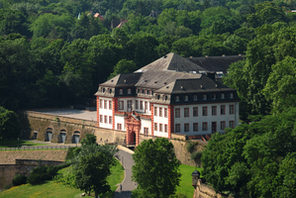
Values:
[(92, 167), (280, 86), (156, 168), (123, 67), (9, 124)]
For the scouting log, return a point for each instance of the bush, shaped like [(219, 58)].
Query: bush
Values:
[(19, 179), (190, 146), (42, 173), (72, 152), (196, 157)]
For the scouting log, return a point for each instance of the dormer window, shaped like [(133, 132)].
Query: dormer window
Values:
[(186, 98), (103, 90), (231, 95), (110, 91), (195, 98), (143, 91), (120, 91), (148, 92), (158, 96), (222, 96), (129, 91), (177, 98), (204, 97)]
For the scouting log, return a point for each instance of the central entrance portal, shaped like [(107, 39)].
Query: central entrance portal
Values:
[(133, 125)]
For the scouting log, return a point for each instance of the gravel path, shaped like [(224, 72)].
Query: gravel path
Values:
[(125, 188)]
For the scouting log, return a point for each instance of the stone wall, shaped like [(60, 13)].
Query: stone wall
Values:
[(40, 122), (21, 166), (205, 191)]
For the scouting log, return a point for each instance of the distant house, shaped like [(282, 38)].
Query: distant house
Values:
[(97, 15), (172, 95)]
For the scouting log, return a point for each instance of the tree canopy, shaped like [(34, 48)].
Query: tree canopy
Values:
[(156, 168)]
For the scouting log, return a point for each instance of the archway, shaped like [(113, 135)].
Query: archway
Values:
[(48, 134), (76, 137), (62, 136), (35, 135)]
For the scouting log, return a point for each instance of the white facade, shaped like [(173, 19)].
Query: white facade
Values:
[(160, 117), (205, 122), (105, 112)]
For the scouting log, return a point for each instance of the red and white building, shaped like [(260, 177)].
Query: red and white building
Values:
[(170, 95)]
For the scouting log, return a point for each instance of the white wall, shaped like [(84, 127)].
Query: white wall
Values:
[(160, 120), (209, 118), (145, 124), (119, 119), (105, 112)]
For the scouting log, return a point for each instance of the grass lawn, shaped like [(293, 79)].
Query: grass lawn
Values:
[(52, 189), (186, 180), (15, 143)]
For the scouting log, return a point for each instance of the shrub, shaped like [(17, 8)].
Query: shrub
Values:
[(19, 179), (72, 152), (190, 146)]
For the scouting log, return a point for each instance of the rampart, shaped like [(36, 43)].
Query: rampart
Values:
[(41, 123)]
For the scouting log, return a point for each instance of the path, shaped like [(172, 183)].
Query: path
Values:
[(125, 156)]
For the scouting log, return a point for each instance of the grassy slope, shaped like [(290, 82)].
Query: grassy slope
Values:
[(15, 143), (185, 186), (53, 189)]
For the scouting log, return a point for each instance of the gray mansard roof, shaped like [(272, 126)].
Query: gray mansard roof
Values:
[(175, 74)]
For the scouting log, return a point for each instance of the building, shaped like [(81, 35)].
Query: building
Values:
[(172, 95)]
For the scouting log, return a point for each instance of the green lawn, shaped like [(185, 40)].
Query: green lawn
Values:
[(52, 189), (15, 143), (185, 186)]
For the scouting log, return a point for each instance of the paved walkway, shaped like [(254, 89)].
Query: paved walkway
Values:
[(125, 188)]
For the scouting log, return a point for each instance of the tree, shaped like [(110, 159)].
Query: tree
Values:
[(280, 86), (156, 168), (92, 166), (123, 67), (9, 124)]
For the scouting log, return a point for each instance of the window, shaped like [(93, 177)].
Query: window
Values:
[(214, 97), (195, 98), (186, 127), (120, 91), (137, 104), (160, 112), (101, 103), (129, 91), (177, 128), (105, 104), (155, 111), (204, 97), (222, 125), (204, 111), (118, 126), (222, 110), (141, 104), (231, 95), (146, 106), (165, 112), (121, 105), (177, 98), (129, 105), (231, 124), (177, 113), (160, 127), (231, 109), (155, 126), (204, 126), (105, 119), (214, 110), (148, 92), (222, 96), (186, 112), (146, 131), (110, 119), (186, 98), (101, 118), (166, 128), (110, 105), (143, 91), (195, 111), (195, 126)]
